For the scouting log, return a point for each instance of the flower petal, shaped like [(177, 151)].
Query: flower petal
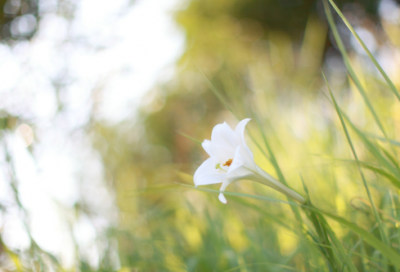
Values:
[(238, 169), (222, 133), (207, 174), (208, 147), (246, 153), (221, 196), (239, 130), (236, 163), (224, 142)]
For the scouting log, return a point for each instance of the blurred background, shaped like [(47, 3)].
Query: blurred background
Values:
[(94, 96)]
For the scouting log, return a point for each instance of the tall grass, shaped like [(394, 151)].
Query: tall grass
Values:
[(330, 136), (335, 233)]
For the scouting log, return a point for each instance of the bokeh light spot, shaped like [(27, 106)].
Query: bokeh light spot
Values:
[(26, 133)]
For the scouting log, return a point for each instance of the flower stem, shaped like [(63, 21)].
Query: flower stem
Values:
[(267, 179)]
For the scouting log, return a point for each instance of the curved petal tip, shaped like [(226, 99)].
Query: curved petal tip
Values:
[(245, 120), (222, 198), (207, 146), (241, 127)]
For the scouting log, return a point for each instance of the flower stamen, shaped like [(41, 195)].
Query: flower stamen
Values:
[(218, 166), (228, 163)]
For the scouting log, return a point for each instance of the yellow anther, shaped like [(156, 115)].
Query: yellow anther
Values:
[(228, 163)]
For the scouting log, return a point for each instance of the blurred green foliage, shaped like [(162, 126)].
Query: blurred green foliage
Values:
[(264, 63), (264, 58)]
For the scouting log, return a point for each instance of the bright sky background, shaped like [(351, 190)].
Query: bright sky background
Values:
[(117, 49)]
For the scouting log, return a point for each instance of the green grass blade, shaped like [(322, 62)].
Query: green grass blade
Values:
[(270, 199), (390, 157), (353, 253), (320, 247), (189, 137), (262, 211), (376, 169), (393, 142), (394, 214), (320, 229), (259, 146), (364, 266), (274, 162), (383, 235), (350, 70), (322, 234), (372, 58), (373, 149), (216, 92), (382, 172), (385, 250), (340, 248), (266, 264), (224, 102)]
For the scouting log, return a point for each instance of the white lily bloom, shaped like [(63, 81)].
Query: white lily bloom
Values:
[(231, 160)]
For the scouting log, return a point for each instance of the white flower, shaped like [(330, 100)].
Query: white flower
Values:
[(231, 160)]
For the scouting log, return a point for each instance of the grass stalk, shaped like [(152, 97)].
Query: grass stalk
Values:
[(371, 57), (350, 70)]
